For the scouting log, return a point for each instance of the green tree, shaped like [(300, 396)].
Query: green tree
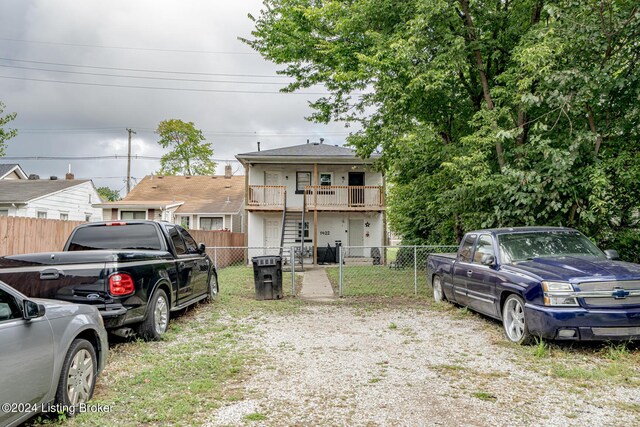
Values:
[(109, 194), (488, 113), (5, 134), (189, 155)]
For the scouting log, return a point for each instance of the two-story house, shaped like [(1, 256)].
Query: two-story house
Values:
[(312, 196)]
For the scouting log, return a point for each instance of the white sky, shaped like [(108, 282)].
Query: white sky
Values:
[(146, 35)]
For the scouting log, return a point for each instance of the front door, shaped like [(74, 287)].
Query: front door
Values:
[(356, 238), (272, 196), (356, 188), (272, 236)]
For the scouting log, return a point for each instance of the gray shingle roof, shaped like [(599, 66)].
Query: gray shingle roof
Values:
[(21, 191), (6, 167), (305, 150)]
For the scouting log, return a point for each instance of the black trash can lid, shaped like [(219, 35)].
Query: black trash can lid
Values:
[(266, 260)]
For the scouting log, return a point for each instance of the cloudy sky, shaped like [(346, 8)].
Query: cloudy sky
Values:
[(78, 73)]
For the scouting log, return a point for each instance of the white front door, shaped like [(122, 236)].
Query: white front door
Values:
[(356, 237), (272, 178), (272, 236)]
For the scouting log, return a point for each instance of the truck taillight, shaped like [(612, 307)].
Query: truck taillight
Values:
[(121, 284)]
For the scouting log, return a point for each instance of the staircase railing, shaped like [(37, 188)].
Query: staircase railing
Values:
[(304, 208), (284, 218)]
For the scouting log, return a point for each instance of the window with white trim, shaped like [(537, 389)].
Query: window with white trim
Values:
[(42, 214), (133, 215), (64, 216), (211, 223), (326, 178)]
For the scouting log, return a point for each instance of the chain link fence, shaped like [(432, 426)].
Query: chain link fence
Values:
[(383, 271), (360, 271), (234, 264)]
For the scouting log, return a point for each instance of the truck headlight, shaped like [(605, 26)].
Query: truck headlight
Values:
[(559, 294)]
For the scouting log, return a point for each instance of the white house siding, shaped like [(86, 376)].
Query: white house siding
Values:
[(288, 177), (335, 226), (75, 201)]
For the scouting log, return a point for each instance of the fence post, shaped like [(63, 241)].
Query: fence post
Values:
[(293, 271), (340, 258), (415, 270), (215, 257)]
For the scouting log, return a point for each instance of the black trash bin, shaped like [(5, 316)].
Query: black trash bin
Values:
[(267, 274)]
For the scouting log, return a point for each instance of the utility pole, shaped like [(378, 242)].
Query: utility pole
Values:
[(129, 161)]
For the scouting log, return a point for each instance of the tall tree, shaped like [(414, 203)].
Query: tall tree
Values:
[(190, 154), (109, 194), (5, 134), (488, 113)]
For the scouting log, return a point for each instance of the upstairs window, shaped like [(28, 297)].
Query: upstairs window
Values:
[(326, 178)]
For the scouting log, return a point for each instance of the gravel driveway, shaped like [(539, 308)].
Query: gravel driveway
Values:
[(337, 364)]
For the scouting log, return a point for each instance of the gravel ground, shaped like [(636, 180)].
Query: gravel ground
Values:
[(333, 364)]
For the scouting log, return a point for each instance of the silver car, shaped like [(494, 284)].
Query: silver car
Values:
[(50, 355)]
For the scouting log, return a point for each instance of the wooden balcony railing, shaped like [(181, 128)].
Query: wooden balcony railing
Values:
[(266, 196), (336, 197)]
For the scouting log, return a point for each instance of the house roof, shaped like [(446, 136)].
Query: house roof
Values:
[(23, 191), (194, 194), (7, 168), (326, 153)]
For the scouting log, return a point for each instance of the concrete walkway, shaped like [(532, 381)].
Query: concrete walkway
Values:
[(316, 285)]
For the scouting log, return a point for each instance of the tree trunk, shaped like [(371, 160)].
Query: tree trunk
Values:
[(484, 80), (592, 126)]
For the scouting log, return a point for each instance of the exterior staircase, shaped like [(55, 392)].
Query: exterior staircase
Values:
[(290, 229)]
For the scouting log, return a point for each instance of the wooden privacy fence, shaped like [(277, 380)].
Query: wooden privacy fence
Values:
[(27, 235), (221, 239)]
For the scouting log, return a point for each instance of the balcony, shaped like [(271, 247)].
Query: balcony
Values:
[(265, 197), (344, 198)]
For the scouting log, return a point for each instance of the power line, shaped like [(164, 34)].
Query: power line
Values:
[(174, 89), (85, 73), (141, 70), (247, 133), (105, 157), (126, 47)]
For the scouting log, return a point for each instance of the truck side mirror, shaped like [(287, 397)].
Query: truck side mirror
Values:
[(202, 248), (32, 310), (612, 254), (488, 259)]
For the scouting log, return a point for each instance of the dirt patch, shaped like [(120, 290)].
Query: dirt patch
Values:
[(337, 364)]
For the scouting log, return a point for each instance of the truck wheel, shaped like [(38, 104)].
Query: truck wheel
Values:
[(514, 320), (78, 376), (212, 289), (157, 321), (438, 292)]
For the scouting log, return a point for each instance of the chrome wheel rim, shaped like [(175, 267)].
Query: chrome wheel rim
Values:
[(437, 290), (80, 378), (514, 323), (213, 287), (161, 315)]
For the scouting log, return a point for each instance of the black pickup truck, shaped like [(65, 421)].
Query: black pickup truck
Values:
[(135, 272)]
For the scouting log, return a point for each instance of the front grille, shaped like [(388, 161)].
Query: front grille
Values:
[(615, 332), (610, 287)]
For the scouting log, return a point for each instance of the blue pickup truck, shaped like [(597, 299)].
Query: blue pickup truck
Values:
[(546, 282)]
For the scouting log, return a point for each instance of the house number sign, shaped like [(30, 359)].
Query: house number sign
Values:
[(325, 233)]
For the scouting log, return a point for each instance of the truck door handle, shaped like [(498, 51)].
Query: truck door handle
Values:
[(469, 273), (50, 274)]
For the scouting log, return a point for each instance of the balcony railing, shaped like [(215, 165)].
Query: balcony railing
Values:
[(265, 196), (336, 197)]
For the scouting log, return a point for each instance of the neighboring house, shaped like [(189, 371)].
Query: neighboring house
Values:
[(196, 202), (313, 196), (12, 171), (65, 199)]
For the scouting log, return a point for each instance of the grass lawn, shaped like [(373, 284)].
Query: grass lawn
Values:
[(183, 378), (378, 280)]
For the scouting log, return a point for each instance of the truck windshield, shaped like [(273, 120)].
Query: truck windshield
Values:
[(527, 246), (130, 236)]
